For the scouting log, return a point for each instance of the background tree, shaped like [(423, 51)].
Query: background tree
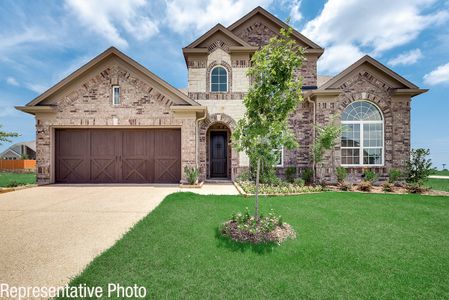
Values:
[(5, 136), (274, 94), (325, 139)]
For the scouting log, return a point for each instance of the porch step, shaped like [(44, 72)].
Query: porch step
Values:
[(218, 181)]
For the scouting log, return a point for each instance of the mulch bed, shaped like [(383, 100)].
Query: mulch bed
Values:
[(278, 235)]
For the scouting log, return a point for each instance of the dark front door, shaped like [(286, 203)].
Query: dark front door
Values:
[(218, 154), (118, 155)]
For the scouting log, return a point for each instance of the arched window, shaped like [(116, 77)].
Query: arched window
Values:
[(362, 138), (219, 80)]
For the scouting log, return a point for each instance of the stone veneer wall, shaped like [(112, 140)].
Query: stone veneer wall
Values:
[(89, 104)]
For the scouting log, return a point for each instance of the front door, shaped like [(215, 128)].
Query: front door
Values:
[(218, 154)]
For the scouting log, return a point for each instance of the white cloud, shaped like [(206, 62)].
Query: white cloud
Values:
[(37, 88), (13, 40), (339, 57), (185, 16), (295, 11), (406, 58), (12, 81), (372, 25), (440, 75), (109, 18)]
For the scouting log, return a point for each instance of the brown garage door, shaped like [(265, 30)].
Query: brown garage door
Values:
[(118, 155)]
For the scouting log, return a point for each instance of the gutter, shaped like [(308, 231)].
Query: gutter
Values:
[(197, 137)]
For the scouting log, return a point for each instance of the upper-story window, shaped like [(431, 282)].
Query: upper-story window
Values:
[(219, 80), (362, 138), (116, 95)]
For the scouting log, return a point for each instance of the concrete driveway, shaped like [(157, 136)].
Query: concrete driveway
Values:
[(49, 234)]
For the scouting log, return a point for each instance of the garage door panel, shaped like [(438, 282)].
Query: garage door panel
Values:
[(118, 155)]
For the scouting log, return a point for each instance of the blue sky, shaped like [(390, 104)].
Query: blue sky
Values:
[(41, 42)]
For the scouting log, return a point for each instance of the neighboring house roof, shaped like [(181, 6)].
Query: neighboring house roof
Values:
[(33, 106), (277, 21), (213, 31), (404, 86), (16, 149), (9, 153)]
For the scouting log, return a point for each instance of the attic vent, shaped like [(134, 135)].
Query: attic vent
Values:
[(218, 44)]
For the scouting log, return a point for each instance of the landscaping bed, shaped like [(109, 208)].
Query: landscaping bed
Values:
[(348, 245), (248, 188)]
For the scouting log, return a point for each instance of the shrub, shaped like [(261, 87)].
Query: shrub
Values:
[(369, 176), (299, 182), (418, 168), (342, 173), (290, 174), (365, 186), (307, 175), (345, 186), (387, 187), (13, 184), (192, 174), (394, 175), (244, 176), (415, 188)]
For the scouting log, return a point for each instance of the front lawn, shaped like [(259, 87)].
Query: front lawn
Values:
[(6, 178), (349, 245), (438, 184)]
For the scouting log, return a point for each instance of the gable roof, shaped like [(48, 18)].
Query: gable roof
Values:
[(368, 59), (31, 145), (112, 51), (215, 29), (277, 21)]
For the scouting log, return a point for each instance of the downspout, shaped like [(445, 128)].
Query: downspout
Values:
[(197, 137)]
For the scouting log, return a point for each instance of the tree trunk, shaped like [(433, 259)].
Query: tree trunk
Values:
[(257, 189)]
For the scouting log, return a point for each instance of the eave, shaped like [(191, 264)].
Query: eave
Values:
[(36, 109), (410, 92)]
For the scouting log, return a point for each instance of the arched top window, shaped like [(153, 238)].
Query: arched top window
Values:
[(219, 80), (362, 138)]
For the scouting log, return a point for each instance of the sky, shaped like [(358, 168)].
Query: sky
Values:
[(41, 42)]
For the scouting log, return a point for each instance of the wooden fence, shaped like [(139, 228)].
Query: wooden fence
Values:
[(18, 164)]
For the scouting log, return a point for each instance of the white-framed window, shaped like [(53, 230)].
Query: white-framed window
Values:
[(362, 138), (279, 157), (116, 95), (219, 80)]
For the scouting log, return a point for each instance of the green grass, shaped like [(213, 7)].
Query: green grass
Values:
[(438, 184), (441, 172), (7, 177), (349, 245)]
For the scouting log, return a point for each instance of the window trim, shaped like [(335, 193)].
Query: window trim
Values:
[(113, 95), (227, 79), (361, 147)]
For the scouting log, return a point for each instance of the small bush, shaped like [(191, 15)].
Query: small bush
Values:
[(419, 167), (290, 174), (192, 174), (387, 187), (299, 182), (365, 186), (369, 176), (394, 175), (345, 186), (307, 175), (342, 173), (415, 188), (244, 176), (13, 184)]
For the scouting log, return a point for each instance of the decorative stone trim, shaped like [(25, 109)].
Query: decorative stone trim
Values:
[(204, 126), (218, 44), (217, 96)]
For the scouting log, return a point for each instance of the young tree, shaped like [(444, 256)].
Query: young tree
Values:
[(274, 94), (325, 139), (418, 168), (5, 136)]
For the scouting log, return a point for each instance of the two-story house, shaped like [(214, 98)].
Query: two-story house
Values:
[(113, 120)]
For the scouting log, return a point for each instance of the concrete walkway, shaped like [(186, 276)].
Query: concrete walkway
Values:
[(439, 177), (49, 234)]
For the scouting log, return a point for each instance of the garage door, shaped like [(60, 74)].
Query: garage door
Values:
[(118, 155)]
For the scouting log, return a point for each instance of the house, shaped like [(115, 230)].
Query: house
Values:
[(23, 150), (113, 120)]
